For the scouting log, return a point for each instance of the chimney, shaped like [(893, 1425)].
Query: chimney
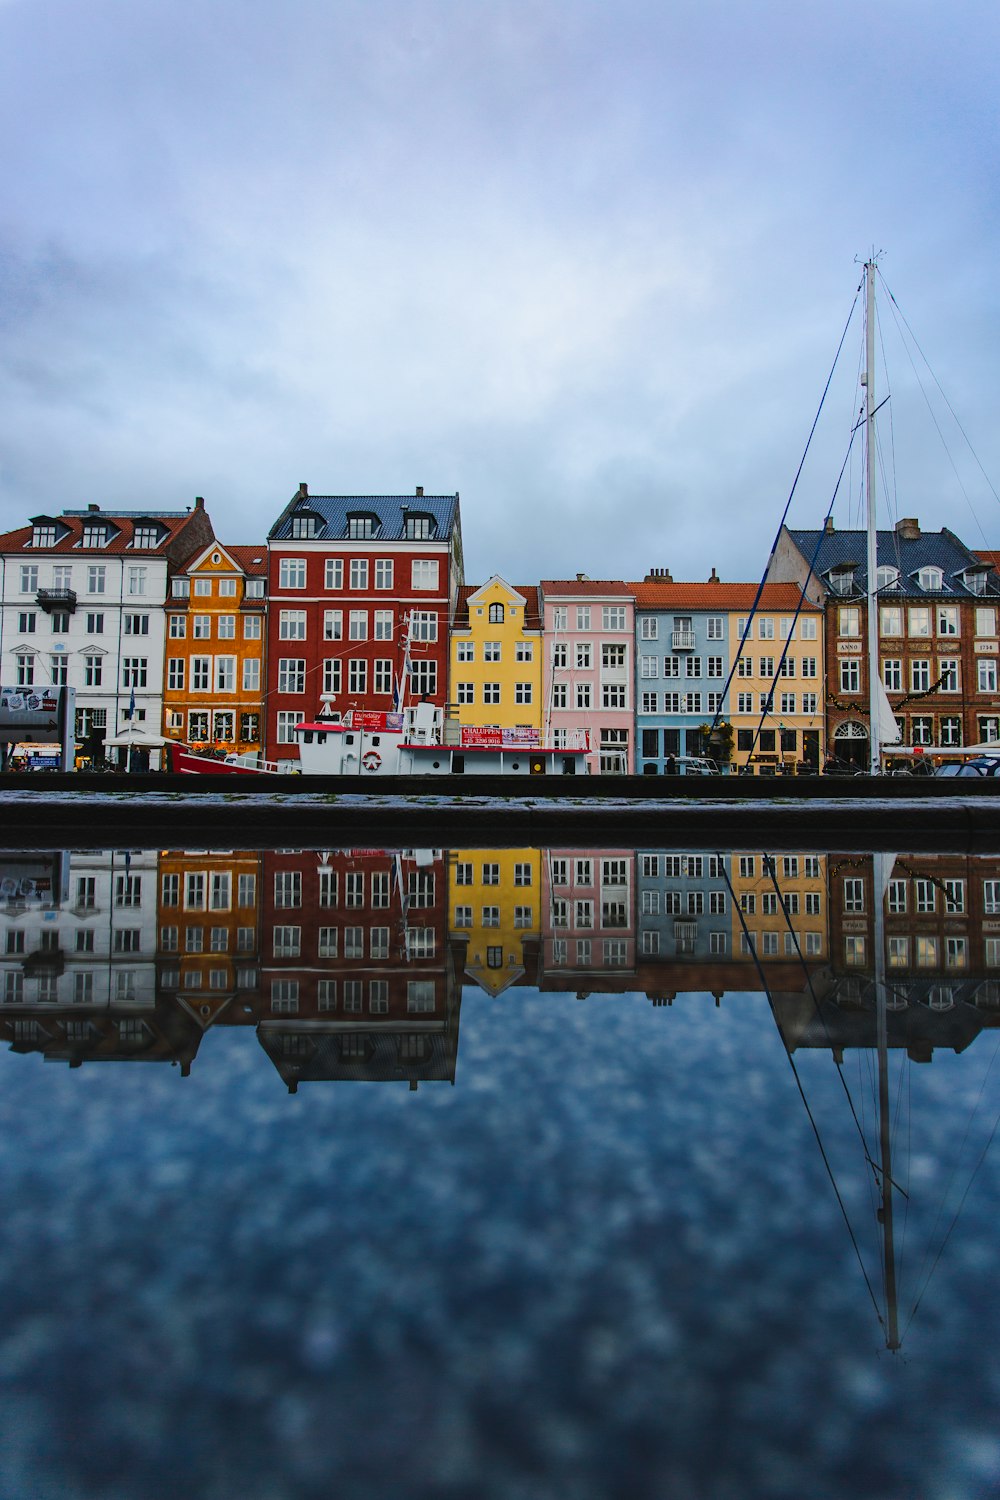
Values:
[(303, 490), (908, 530), (828, 526), (658, 575), (582, 578), (715, 577), (93, 508), (420, 492), (199, 502)]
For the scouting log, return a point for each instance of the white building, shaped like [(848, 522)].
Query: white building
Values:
[(81, 605)]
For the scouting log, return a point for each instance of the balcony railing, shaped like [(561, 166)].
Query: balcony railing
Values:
[(53, 600), (682, 640)]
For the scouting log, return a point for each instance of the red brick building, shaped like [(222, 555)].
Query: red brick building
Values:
[(361, 592)]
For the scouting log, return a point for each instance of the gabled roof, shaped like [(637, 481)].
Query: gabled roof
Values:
[(391, 511), (723, 597), (928, 549), (528, 591), (251, 560)]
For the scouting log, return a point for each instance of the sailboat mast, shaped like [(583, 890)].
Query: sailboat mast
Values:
[(874, 741)]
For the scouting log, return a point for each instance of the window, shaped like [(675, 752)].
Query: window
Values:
[(357, 629), (383, 624), (227, 627), (854, 894), (292, 573), (613, 617), (287, 942), (357, 675), (423, 678), (948, 673), (986, 620), (96, 575), (648, 667), (583, 695), (892, 676), (920, 674), (490, 916), (951, 729), (848, 620), (947, 619), (287, 888), (60, 621), (137, 580), (177, 627), (285, 725), (251, 677), (424, 626), (424, 574), (175, 674), (650, 705), (584, 655), (134, 671), (921, 729), (333, 573), (649, 628), (850, 676), (465, 692), (463, 873), (291, 674), (560, 617), (491, 692), (466, 651), (382, 675), (891, 619), (225, 675), (765, 628), (203, 588), (291, 625), (583, 617), (496, 614), (614, 695), (986, 668), (919, 617), (930, 579)]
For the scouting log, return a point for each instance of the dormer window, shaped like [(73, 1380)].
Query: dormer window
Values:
[(362, 525), (420, 528), (842, 580), (180, 588), (255, 588), (305, 525), (43, 536), (931, 580), (146, 536), (95, 536), (887, 578), (975, 580), (496, 614)]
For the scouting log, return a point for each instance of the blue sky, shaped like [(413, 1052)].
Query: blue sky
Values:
[(585, 263)]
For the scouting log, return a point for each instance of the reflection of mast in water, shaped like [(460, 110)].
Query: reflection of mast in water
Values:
[(883, 864)]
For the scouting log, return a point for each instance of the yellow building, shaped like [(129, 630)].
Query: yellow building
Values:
[(213, 686), (496, 657), (783, 902), (778, 692), (495, 900)]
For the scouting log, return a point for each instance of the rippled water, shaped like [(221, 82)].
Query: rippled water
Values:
[(596, 1252)]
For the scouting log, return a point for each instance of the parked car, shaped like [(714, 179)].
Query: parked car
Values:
[(981, 765)]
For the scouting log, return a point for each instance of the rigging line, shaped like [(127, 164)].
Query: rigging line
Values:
[(802, 1095), (769, 864), (791, 494), (892, 435), (954, 417), (769, 696), (947, 1188)]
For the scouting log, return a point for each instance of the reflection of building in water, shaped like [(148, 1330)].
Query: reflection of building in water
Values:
[(77, 957), (588, 911), (357, 978), (496, 901), (782, 902), (684, 905), (208, 930), (942, 915)]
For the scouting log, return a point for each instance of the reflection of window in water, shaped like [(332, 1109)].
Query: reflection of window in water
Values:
[(419, 995), (940, 997)]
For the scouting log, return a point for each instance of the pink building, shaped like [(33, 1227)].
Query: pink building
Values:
[(589, 673)]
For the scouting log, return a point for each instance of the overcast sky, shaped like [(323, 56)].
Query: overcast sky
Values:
[(586, 263)]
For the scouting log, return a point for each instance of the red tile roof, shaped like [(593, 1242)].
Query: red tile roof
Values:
[(722, 596), (122, 524), (594, 588)]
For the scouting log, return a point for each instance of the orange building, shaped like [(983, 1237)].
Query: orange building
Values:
[(213, 685)]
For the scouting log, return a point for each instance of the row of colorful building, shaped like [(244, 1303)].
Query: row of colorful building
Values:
[(351, 964), (360, 602)]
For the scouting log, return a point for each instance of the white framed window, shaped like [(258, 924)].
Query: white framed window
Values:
[(291, 674), (333, 573), (357, 629), (359, 573), (424, 574), (292, 573), (383, 624), (383, 572), (251, 674), (292, 625), (466, 651)]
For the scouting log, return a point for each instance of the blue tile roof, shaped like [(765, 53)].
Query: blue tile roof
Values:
[(931, 549), (333, 512)]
